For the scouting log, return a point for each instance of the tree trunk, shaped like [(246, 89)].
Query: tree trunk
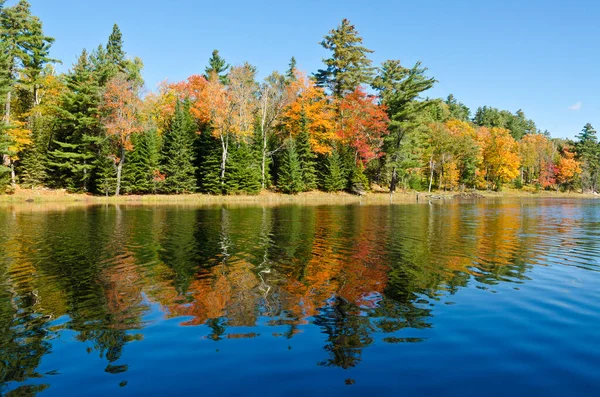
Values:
[(13, 178), (119, 170), (393, 181), (431, 173), (264, 155), (7, 108), (225, 146)]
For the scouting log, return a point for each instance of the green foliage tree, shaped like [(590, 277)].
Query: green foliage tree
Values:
[(76, 128), (290, 172), (457, 109), (400, 89), (142, 172), (349, 65), (178, 152), (307, 158), (588, 152), (244, 174), (208, 163), (333, 174), (218, 65)]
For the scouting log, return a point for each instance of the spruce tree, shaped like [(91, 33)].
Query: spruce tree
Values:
[(33, 167), (140, 173), (349, 65), (290, 172), (217, 65), (105, 175), (306, 157), (244, 174), (333, 175), (208, 163), (290, 75), (178, 152), (588, 150), (76, 129)]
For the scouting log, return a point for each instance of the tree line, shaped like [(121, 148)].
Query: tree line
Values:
[(350, 126)]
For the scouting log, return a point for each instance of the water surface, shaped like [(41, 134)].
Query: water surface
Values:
[(488, 297)]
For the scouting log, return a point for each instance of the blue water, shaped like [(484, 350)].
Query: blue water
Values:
[(492, 297)]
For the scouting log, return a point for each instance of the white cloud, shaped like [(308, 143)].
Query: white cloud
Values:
[(575, 106)]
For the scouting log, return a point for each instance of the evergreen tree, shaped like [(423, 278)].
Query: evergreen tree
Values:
[(217, 65), (290, 173), (33, 161), (400, 89), (244, 174), (76, 129), (306, 157), (141, 173), (457, 109), (333, 175), (588, 151), (290, 75), (208, 163), (359, 183), (349, 65), (105, 175), (178, 152)]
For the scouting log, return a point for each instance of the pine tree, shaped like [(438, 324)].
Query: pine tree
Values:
[(349, 65), (77, 129), (588, 151), (290, 173), (244, 174), (105, 175), (306, 157), (140, 175), (208, 163), (457, 109), (290, 75), (333, 175), (359, 183), (217, 65), (33, 167), (399, 89), (178, 152)]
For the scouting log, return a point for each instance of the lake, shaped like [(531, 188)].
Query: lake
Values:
[(486, 297)]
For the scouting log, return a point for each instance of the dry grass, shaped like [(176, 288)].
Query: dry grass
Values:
[(38, 196)]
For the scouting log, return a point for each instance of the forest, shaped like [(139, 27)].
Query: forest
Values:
[(350, 126)]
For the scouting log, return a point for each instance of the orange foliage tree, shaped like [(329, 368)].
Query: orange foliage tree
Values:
[(310, 110), (500, 154), (568, 168), (121, 109)]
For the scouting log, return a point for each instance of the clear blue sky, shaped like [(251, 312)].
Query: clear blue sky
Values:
[(538, 55)]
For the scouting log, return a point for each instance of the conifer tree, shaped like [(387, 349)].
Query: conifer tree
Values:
[(178, 152), (208, 163), (290, 75), (72, 150), (588, 151), (349, 65), (217, 65), (244, 170), (400, 89), (141, 172), (306, 157), (333, 174), (290, 172)]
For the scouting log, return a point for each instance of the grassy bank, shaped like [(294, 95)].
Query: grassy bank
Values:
[(61, 196)]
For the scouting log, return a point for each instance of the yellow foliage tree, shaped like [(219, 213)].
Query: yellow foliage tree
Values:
[(311, 109), (500, 154)]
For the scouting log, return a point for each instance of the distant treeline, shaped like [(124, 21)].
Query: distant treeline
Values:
[(349, 126)]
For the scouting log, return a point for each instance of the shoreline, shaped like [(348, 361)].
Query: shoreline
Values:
[(41, 196)]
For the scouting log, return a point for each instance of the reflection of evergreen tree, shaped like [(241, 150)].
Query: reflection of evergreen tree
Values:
[(348, 333)]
